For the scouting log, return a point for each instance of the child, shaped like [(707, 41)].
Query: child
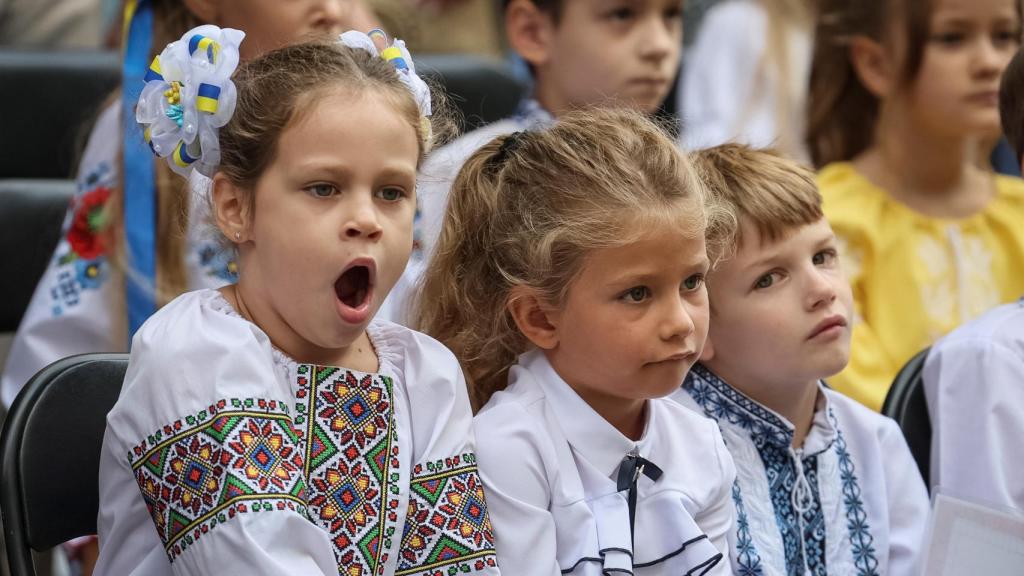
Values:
[(823, 485), (272, 426), (581, 53), (974, 377), (83, 302), (745, 78), (569, 282), (903, 117)]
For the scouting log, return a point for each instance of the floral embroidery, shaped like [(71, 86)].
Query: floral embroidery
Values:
[(85, 235), (747, 558), (346, 422), (856, 518), (447, 530), (235, 457)]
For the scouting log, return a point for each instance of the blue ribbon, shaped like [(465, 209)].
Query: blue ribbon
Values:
[(139, 186)]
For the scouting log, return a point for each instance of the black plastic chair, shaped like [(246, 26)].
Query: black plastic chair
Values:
[(31, 214), (50, 454), (905, 403), (483, 91), (50, 99)]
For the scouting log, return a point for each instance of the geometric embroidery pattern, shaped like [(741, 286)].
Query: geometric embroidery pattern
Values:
[(447, 529), (345, 421), (235, 457), (856, 518)]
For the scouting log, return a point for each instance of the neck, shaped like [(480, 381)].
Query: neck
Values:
[(548, 98), (938, 174), (796, 402)]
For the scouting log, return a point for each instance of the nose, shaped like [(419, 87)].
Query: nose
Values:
[(361, 218), (989, 60), (677, 320), (821, 289), (657, 40), (331, 15)]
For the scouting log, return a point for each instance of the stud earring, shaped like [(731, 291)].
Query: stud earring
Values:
[(238, 235)]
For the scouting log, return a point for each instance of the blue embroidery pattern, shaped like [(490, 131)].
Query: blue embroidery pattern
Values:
[(856, 518), (723, 402), (746, 554)]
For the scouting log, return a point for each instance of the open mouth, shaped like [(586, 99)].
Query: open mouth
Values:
[(354, 290), (353, 286)]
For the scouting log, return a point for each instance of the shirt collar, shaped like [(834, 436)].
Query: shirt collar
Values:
[(589, 434), (532, 115), (721, 401)]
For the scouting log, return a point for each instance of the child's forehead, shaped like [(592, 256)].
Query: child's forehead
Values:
[(753, 244)]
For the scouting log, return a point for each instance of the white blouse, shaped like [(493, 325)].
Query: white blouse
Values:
[(224, 456), (550, 463), (849, 501), (974, 384)]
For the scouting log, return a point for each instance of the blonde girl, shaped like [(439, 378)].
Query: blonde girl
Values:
[(904, 114), (273, 426), (569, 282)]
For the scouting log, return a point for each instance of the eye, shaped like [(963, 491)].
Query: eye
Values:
[(949, 38), (636, 294), (1003, 37), (693, 282), (321, 190), (824, 257), (765, 281), (674, 13), (621, 14), (390, 194)]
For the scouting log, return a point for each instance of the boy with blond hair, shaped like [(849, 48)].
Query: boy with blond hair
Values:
[(581, 53), (823, 485)]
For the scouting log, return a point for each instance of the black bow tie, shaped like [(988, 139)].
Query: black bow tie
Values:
[(630, 469)]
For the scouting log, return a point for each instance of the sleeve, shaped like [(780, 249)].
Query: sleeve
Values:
[(446, 490), (205, 428), (868, 375), (908, 503), (74, 308), (518, 490), (719, 76), (718, 520), (975, 389)]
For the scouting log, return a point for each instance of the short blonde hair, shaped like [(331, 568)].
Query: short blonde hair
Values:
[(763, 187), (525, 211)]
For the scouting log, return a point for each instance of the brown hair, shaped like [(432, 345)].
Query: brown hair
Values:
[(842, 111), (1011, 103), (277, 87), (772, 192), (527, 208)]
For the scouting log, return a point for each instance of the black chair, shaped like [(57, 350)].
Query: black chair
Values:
[(905, 403), (31, 214), (50, 454), (482, 90), (49, 101)]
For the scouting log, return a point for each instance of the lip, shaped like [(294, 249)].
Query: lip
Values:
[(829, 326), (650, 82), (358, 314), (679, 357), (985, 98)]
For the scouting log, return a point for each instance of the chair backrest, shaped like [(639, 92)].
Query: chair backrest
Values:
[(50, 454), (49, 100), (483, 90), (31, 213), (905, 403)]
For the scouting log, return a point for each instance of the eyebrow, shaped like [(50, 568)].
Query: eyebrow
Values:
[(633, 277), (773, 258)]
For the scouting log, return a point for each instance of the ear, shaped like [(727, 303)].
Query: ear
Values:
[(205, 10), (537, 321), (873, 65), (230, 208), (530, 31)]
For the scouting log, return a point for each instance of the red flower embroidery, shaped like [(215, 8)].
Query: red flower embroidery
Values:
[(84, 235)]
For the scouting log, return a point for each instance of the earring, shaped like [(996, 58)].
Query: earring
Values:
[(238, 236)]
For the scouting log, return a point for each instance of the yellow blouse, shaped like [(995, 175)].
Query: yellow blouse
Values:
[(916, 277)]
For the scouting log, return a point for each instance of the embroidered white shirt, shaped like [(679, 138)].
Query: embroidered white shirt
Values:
[(850, 501), (224, 456), (974, 385), (550, 464)]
